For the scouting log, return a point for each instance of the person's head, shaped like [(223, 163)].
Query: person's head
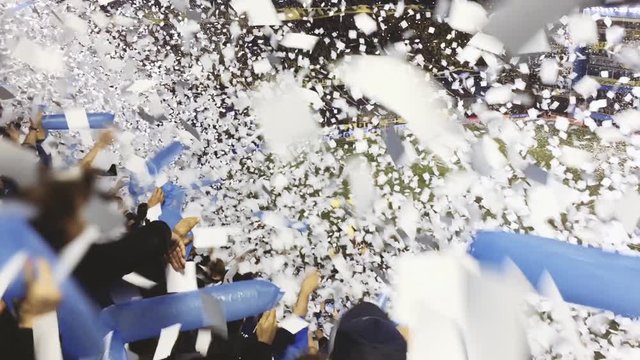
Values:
[(60, 201), (365, 332), (217, 269)]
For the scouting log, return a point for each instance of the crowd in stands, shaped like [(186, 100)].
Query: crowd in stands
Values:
[(60, 199)]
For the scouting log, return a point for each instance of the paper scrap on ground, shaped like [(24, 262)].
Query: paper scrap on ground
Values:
[(167, 340)]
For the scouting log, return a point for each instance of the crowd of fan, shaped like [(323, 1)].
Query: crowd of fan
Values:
[(146, 247)]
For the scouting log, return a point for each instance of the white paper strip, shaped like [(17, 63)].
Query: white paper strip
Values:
[(181, 282), (203, 341), (293, 324), (154, 212), (299, 41), (76, 118), (11, 269), (168, 337), (72, 253), (139, 280), (46, 337), (210, 237)]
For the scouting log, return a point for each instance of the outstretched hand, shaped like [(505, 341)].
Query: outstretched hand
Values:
[(43, 294), (267, 327), (157, 197), (177, 254)]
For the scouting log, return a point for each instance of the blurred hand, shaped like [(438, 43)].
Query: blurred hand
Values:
[(185, 225), (2, 306), (106, 137), (310, 283), (156, 198), (43, 294), (267, 327), (177, 254)]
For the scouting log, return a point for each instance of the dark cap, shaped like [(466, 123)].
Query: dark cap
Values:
[(366, 333)]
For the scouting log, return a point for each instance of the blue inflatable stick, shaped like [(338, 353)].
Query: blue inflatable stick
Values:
[(164, 157), (584, 275), (154, 165), (80, 330), (143, 319), (59, 121)]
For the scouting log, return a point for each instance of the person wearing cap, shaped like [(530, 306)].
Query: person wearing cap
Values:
[(365, 332)]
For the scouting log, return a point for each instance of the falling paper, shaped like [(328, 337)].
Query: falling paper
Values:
[(260, 12), (583, 29), (140, 86), (299, 41), (203, 340), (628, 120), (154, 212), (627, 210), (262, 66), (46, 337), (486, 42), (365, 23), (403, 89), (49, 60), (76, 118), (518, 22), (210, 237), (214, 314), (181, 281), (361, 185), (499, 95), (74, 251), (10, 270), (549, 71), (467, 16), (614, 35), (139, 280), (284, 115), (587, 86), (168, 337), (18, 163), (293, 324)]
